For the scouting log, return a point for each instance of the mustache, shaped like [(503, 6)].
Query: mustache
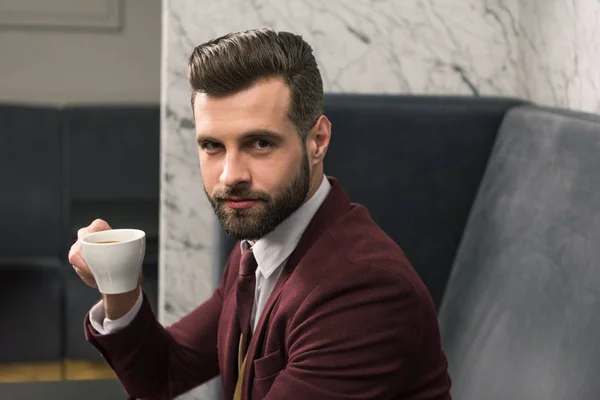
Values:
[(241, 193)]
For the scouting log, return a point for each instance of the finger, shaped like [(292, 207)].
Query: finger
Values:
[(83, 274), (77, 260), (72, 252), (82, 232), (88, 279), (99, 225), (96, 226)]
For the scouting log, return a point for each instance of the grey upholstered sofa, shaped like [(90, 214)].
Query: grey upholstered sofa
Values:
[(520, 314)]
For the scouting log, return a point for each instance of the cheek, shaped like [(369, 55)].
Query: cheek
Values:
[(210, 173), (277, 172)]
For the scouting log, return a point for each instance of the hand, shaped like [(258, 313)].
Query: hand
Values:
[(75, 257)]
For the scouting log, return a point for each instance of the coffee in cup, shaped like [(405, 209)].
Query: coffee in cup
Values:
[(115, 258)]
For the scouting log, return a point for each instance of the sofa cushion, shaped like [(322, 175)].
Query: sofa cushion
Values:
[(31, 309), (520, 316)]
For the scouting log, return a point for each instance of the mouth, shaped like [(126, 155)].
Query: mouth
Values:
[(238, 203)]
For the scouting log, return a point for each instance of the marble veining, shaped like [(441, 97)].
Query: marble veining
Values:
[(560, 61)]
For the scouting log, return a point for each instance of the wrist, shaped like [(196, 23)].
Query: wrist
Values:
[(117, 305)]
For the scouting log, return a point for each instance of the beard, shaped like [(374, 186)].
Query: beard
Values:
[(270, 210)]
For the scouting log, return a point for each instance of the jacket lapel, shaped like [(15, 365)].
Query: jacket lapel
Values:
[(229, 332), (336, 204)]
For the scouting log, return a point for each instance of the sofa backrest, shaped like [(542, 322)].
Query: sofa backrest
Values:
[(113, 152), (30, 199), (416, 163), (520, 316), (112, 155)]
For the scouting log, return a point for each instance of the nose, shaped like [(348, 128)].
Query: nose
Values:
[(235, 171)]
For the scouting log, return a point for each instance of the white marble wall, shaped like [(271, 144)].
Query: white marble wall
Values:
[(539, 49), (560, 53)]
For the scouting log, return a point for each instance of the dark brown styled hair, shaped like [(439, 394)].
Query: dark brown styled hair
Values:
[(234, 62)]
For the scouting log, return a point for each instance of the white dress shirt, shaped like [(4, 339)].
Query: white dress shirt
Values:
[(271, 252)]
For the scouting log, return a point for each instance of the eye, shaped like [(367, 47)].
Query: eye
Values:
[(210, 146), (262, 144)]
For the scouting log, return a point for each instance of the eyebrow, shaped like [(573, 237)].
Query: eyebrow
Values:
[(254, 134)]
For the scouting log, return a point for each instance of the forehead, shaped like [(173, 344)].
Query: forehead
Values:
[(264, 105)]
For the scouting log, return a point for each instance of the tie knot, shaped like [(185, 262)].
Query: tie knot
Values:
[(248, 263)]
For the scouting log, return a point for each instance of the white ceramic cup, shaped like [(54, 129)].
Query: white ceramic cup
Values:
[(116, 266)]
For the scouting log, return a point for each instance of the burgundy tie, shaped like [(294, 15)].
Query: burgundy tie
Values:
[(245, 295)]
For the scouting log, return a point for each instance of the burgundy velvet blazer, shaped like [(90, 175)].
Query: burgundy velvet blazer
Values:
[(348, 319)]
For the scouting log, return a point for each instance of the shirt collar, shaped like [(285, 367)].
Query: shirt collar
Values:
[(274, 248)]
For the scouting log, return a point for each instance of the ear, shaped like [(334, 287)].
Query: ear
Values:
[(318, 139)]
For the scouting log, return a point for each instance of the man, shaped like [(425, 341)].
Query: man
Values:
[(316, 302)]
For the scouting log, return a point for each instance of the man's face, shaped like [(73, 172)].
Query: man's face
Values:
[(254, 166)]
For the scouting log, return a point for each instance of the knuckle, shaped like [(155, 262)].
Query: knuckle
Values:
[(99, 225), (98, 222), (73, 254)]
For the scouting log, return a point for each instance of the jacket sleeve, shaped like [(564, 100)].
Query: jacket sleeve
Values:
[(153, 362), (358, 336)]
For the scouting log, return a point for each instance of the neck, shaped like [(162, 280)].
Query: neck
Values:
[(315, 181)]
